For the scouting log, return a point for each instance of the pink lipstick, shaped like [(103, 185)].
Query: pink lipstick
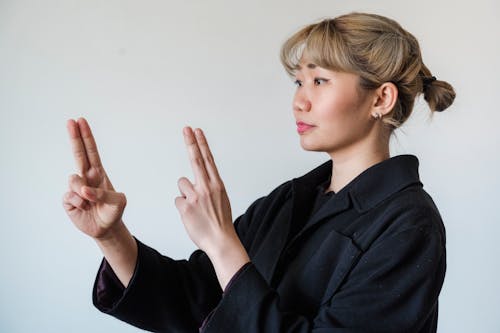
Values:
[(303, 127)]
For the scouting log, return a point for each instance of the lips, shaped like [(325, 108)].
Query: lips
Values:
[(302, 127)]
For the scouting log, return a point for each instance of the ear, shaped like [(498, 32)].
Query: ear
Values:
[(385, 98)]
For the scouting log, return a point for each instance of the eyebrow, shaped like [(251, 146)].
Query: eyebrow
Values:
[(311, 66)]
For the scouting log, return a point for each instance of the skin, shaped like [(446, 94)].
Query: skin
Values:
[(95, 208), (343, 116), (344, 127), (93, 205)]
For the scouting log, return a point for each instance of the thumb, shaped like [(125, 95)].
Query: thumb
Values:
[(113, 198)]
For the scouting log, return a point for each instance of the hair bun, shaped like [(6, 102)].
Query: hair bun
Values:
[(438, 94)]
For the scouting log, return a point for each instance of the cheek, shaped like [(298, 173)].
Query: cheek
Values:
[(340, 109), (343, 115)]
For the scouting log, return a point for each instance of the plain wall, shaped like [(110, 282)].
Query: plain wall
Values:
[(141, 70)]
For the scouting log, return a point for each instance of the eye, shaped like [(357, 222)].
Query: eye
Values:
[(298, 83), (318, 81)]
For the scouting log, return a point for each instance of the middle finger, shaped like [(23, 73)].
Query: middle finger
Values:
[(89, 143), (79, 152), (197, 163), (210, 166)]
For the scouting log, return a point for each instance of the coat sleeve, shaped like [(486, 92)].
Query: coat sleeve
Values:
[(393, 288), (164, 295)]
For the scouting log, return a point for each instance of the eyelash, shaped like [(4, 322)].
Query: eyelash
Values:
[(298, 82)]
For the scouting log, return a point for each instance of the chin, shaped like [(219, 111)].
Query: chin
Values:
[(311, 146), (330, 143)]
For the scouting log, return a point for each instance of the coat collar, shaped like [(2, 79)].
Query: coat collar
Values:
[(370, 187), (364, 192)]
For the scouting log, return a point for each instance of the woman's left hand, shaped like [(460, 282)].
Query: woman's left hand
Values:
[(204, 206), (206, 212)]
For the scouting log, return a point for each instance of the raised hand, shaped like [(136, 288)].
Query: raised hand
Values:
[(206, 212), (91, 202)]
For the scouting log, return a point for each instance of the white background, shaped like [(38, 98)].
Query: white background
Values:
[(141, 70)]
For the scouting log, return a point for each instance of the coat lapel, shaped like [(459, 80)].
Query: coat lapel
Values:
[(267, 256), (295, 212), (358, 196), (335, 205)]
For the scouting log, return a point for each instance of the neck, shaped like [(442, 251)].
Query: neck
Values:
[(352, 162)]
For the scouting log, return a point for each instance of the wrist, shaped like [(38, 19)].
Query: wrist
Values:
[(227, 258), (121, 251), (118, 230), (115, 237)]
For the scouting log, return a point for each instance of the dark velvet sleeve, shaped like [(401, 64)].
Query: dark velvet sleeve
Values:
[(108, 289), (163, 295), (233, 279)]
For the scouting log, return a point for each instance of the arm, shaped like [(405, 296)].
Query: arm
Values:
[(94, 206), (163, 293), (120, 250), (206, 212)]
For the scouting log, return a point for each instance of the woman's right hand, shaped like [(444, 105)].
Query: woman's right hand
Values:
[(91, 202)]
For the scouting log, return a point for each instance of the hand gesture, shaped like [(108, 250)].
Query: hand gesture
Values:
[(205, 210), (204, 206), (91, 201)]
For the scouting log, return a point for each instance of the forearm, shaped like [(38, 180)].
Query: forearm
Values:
[(163, 294), (227, 259), (120, 250)]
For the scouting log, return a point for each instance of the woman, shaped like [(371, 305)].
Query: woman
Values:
[(355, 245)]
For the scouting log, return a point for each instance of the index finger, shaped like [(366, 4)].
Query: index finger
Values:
[(210, 166), (82, 163), (89, 143), (197, 163)]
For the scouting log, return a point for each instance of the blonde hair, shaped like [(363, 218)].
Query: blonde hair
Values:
[(377, 49)]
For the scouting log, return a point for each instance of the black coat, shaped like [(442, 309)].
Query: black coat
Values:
[(371, 259)]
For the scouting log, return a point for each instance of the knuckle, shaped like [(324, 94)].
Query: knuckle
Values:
[(82, 204), (92, 150), (218, 187), (66, 196), (76, 202), (205, 191), (197, 160), (210, 159), (123, 200), (80, 154), (76, 199), (193, 199)]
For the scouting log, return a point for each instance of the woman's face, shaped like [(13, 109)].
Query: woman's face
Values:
[(331, 111)]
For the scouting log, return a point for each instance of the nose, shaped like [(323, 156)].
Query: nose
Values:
[(301, 103)]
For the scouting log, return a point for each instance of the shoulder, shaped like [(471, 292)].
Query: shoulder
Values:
[(409, 213), (413, 207)]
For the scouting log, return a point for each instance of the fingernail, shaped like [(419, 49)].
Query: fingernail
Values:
[(198, 133)]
